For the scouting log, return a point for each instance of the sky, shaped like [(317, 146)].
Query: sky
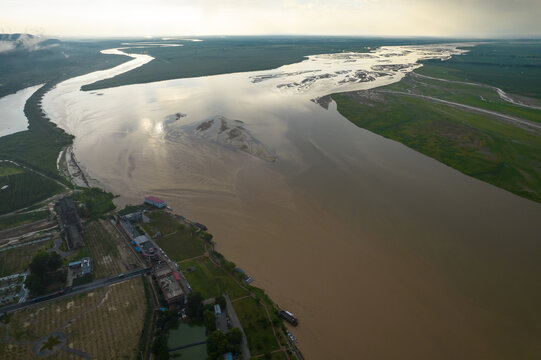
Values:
[(439, 18)]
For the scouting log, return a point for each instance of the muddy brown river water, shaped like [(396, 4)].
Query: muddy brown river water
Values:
[(381, 252)]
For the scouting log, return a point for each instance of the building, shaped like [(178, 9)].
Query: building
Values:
[(70, 223), (169, 282), (155, 201), (81, 268), (144, 246)]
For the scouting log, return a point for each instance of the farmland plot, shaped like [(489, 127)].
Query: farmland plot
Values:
[(103, 250), (105, 324)]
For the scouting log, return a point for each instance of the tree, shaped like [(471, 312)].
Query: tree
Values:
[(209, 319), (194, 306), (217, 345), (234, 338), (44, 272)]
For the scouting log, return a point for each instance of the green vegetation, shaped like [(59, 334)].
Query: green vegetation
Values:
[(51, 60), (258, 330), (166, 321), (181, 245), (25, 188), (83, 280), (477, 145), (178, 240), (51, 342), (21, 219), (219, 343), (215, 56), (95, 201), (210, 280), (39, 146), (161, 221), (478, 96), (128, 209), (45, 273), (514, 67), (16, 260)]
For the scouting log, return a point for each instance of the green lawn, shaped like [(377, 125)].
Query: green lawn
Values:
[(177, 240), (181, 245), (210, 280), (258, 330), (161, 221)]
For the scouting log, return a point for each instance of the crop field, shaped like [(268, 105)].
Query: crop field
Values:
[(16, 260), (105, 323), (101, 247), (210, 280), (256, 325), (25, 188), (177, 239)]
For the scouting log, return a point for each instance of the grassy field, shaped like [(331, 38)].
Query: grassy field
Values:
[(106, 323), (512, 66), (21, 219), (477, 145), (25, 188), (258, 330), (16, 260), (478, 96), (177, 239), (210, 280)]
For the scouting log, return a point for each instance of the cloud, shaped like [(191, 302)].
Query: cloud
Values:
[(257, 17), (23, 42)]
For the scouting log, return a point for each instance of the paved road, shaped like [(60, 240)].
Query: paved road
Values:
[(235, 322), (75, 290)]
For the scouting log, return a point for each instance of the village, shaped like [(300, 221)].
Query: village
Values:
[(198, 304)]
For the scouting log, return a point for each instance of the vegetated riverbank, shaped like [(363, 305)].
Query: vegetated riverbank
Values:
[(499, 143), (50, 59), (43, 156), (215, 56), (490, 148)]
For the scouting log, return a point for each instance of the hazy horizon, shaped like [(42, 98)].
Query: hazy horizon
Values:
[(367, 18)]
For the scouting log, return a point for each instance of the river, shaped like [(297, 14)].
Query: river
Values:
[(12, 110), (380, 251)]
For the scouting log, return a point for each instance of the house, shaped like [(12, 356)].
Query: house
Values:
[(155, 201)]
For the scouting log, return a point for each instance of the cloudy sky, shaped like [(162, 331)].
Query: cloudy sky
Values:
[(477, 18)]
